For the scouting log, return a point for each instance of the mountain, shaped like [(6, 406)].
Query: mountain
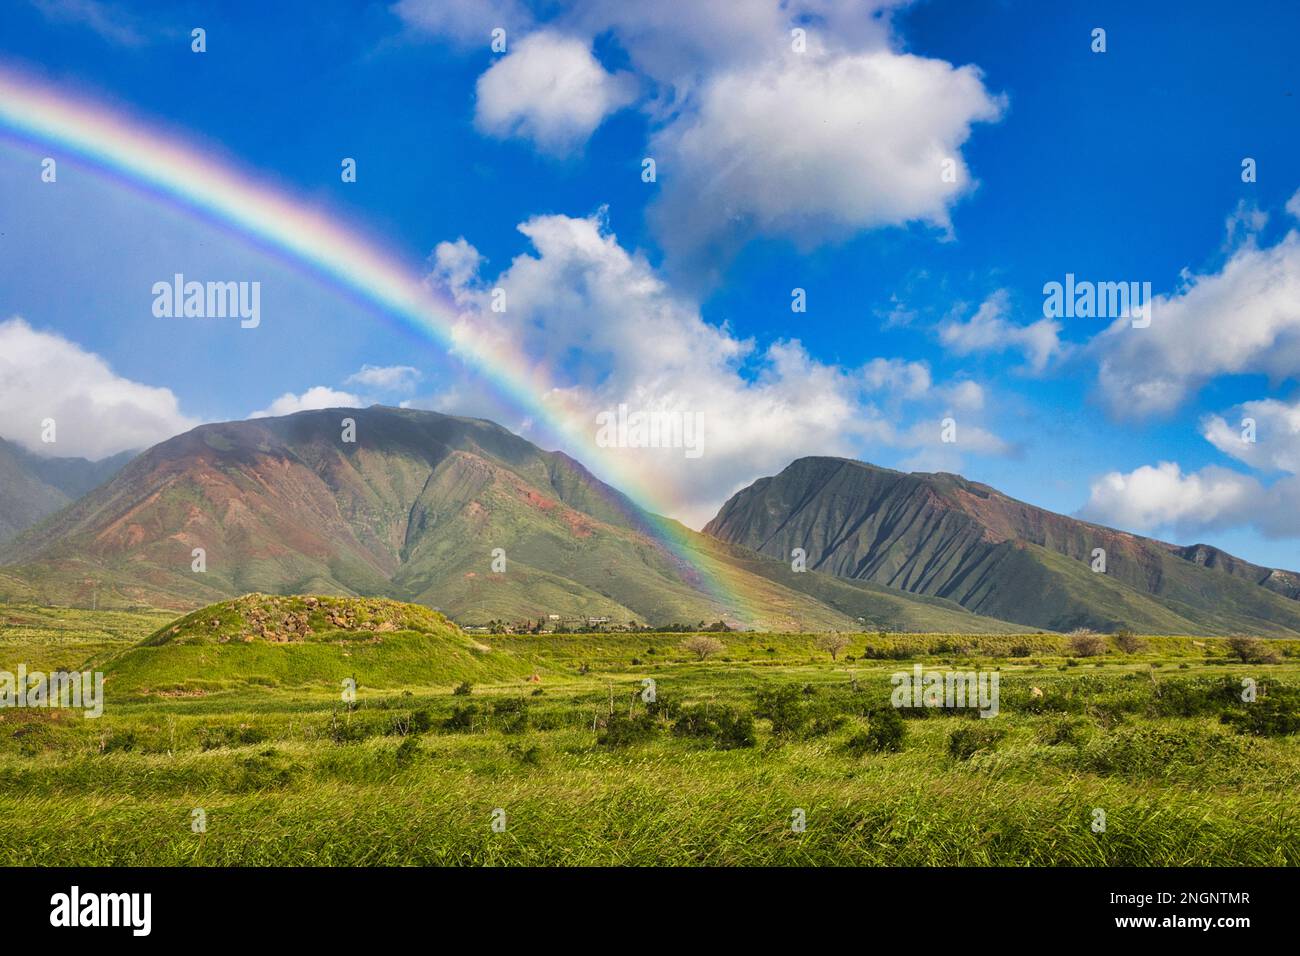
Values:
[(414, 509), (32, 487), (941, 535)]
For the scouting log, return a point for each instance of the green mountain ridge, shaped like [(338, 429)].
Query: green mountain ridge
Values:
[(941, 535), (415, 510)]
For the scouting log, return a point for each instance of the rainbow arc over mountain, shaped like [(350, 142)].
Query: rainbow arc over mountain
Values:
[(165, 167)]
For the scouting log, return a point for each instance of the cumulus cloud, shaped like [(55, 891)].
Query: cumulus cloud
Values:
[(816, 147), (1276, 434), (96, 412), (585, 305), (989, 330), (551, 90), (910, 379), (1243, 319), (318, 396), (385, 378), (756, 133), (1163, 496)]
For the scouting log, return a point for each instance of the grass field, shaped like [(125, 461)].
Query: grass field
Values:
[(733, 752)]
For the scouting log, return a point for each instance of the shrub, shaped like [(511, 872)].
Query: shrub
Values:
[(413, 722), (346, 731), (1129, 642), (530, 755), (119, 741), (727, 727), (832, 644), (513, 713), (1021, 650), (1086, 643), (783, 706), (702, 646), (1253, 650), (1063, 730), (406, 751), (462, 718), (885, 731), (623, 731), (463, 689), (966, 742), (1272, 716)]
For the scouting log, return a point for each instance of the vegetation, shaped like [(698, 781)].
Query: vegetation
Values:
[(598, 770)]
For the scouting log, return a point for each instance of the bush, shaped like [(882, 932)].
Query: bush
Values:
[(120, 741), (346, 731), (462, 718), (1063, 730), (1272, 716), (966, 742), (1086, 643), (412, 722), (530, 755), (621, 731), (885, 733), (463, 689), (513, 713), (727, 727), (703, 646), (1129, 642), (783, 706), (407, 751), (1253, 650)]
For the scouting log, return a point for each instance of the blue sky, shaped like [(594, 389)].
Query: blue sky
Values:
[(776, 170)]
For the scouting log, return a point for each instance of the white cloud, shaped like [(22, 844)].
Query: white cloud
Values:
[(586, 305), (1293, 204), (318, 396), (97, 413), (1163, 496), (964, 395), (989, 330), (1243, 319), (753, 138), (551, 90), (106, 19), (815, 148), (385, 378), (1151, 498), (466, 22), (898, 376), (1277, 435)]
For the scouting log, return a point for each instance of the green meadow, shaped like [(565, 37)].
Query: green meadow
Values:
[(223, 744)]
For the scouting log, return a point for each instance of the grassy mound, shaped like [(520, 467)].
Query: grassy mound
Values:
[(307, 641), (298, 618)]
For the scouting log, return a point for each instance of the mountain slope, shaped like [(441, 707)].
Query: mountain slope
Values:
[(413, 510), (938, 534), (32, 487)]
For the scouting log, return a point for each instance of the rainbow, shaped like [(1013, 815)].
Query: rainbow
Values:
[(165, 167)]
